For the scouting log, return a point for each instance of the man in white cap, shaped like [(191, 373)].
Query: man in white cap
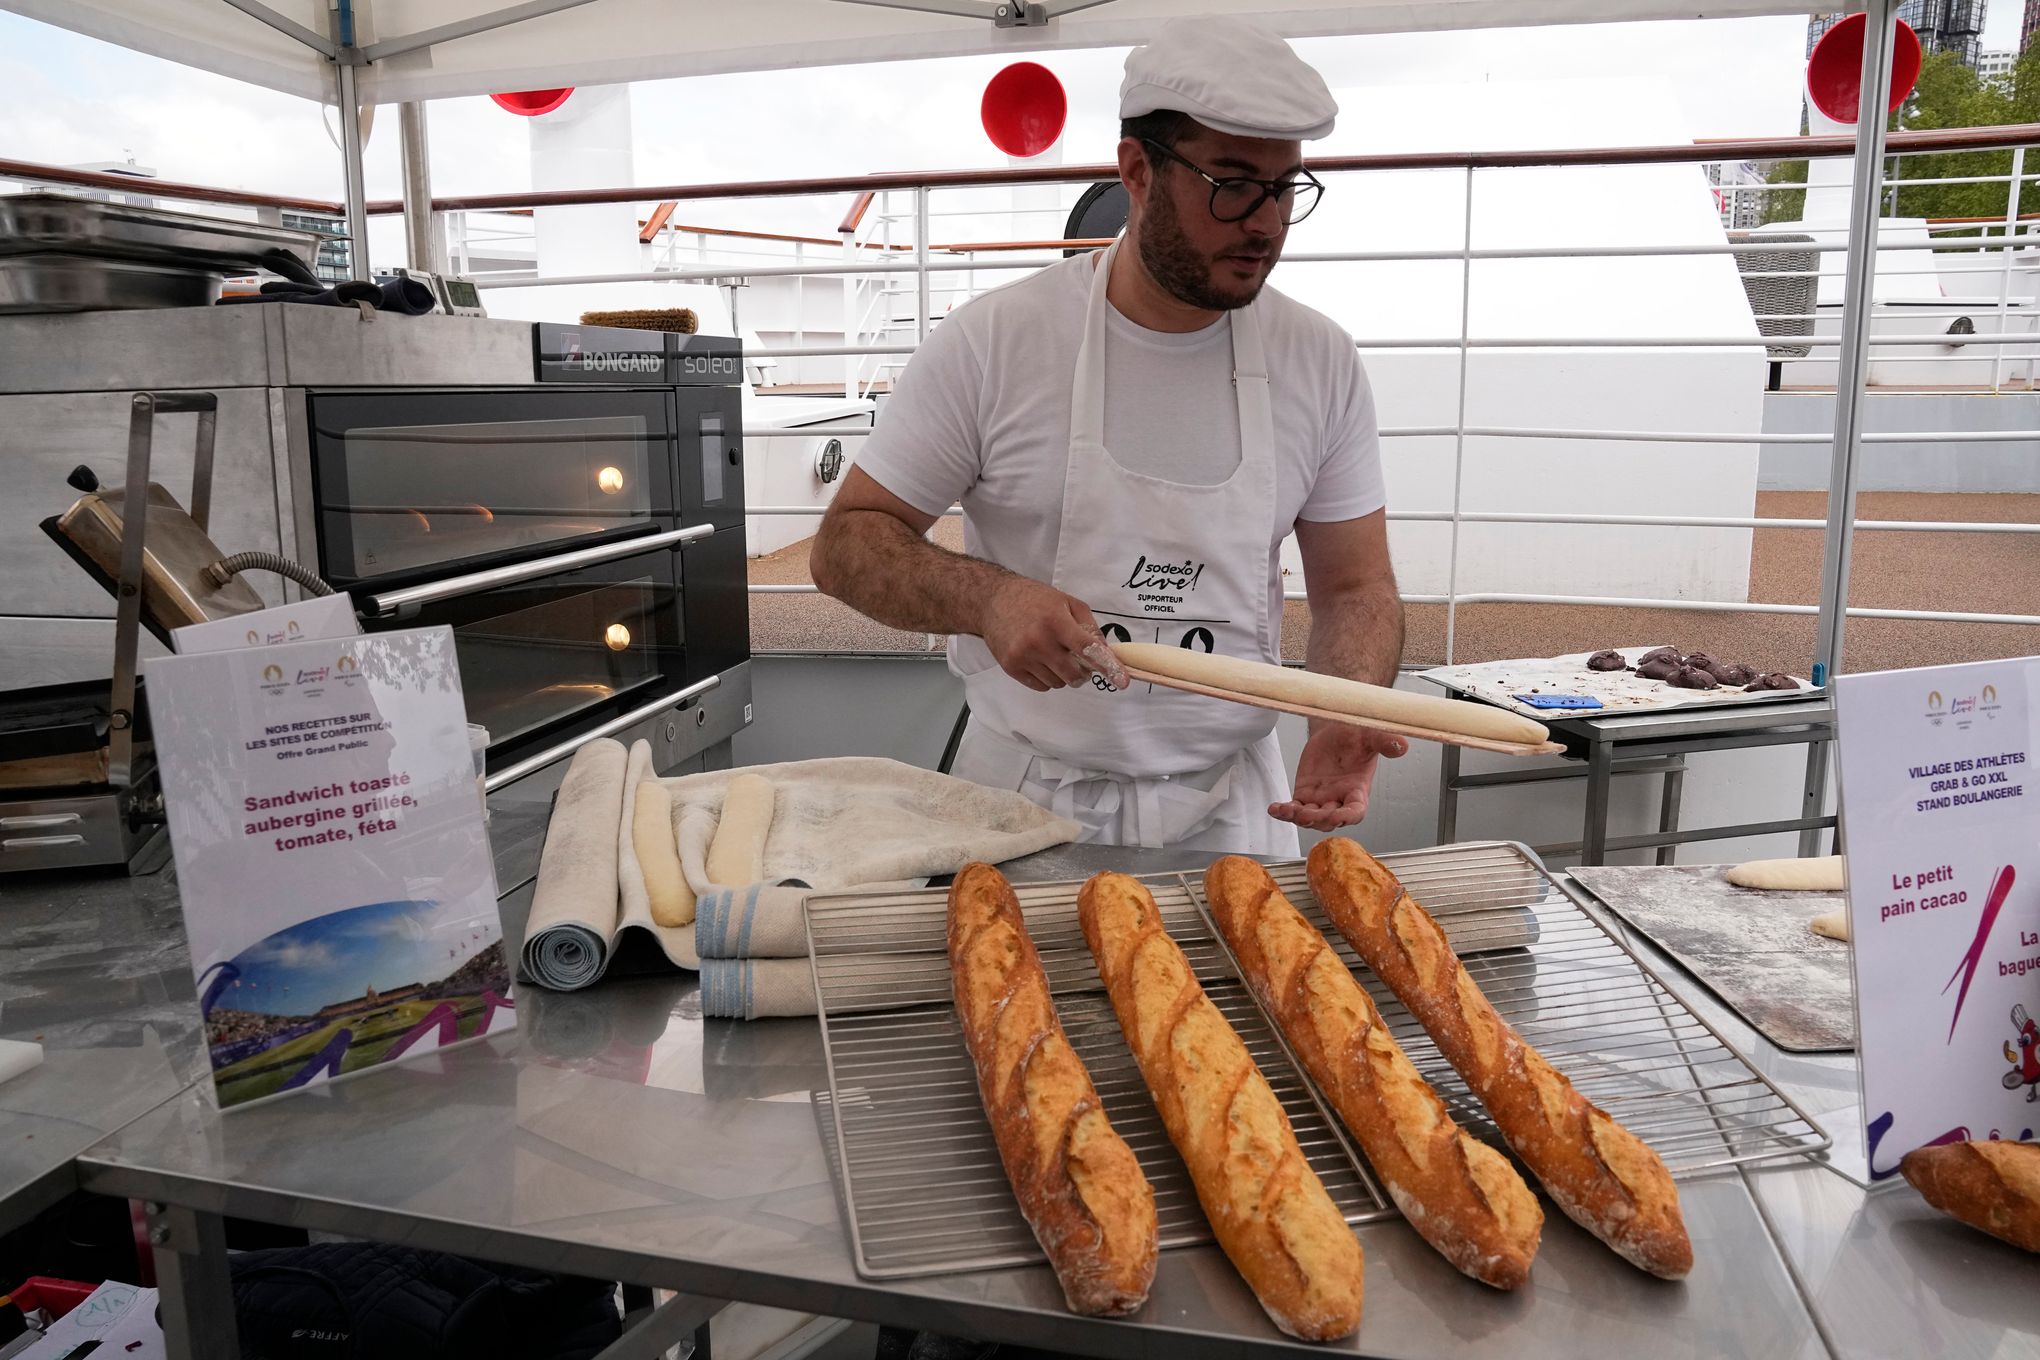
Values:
[(1132, 435)]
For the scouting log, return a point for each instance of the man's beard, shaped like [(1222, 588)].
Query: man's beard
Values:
[(1175, 264)]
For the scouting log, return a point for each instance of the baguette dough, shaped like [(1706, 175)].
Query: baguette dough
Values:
[(658, 855), (1833, 925), (1331, 692), (1823, 874), (736, 857)]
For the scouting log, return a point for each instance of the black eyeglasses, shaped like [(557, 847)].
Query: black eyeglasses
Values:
[(1236, 198)]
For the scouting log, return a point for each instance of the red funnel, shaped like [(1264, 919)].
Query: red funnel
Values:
[(1023, 109), (531, 103), (1834, 73)]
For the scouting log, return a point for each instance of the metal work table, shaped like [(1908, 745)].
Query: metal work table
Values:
[(619, 1134), (1601, 747), (94, 970)]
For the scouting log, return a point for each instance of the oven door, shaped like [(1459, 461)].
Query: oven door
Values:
[(557, 647), (412, 485)]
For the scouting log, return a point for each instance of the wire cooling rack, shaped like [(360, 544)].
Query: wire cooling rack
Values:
[(918, 1169)]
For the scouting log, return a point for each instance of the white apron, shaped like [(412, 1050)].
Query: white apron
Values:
[(1157, 561)]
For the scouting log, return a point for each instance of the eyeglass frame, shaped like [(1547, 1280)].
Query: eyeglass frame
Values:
[(1270, 188)]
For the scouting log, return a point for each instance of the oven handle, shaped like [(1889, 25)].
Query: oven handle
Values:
[(498, 778), (453, 587)]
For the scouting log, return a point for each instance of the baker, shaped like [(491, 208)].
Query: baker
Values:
[(1132, 434)]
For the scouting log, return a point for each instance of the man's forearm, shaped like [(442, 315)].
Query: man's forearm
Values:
[(884, 570), (1358, 634)]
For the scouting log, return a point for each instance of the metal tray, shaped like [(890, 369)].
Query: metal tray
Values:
[(1622, 693), (922, 1187), (53, 282), (40, 223)]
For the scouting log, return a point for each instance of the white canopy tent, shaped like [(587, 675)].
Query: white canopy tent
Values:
[(435, 49), (355, 52)]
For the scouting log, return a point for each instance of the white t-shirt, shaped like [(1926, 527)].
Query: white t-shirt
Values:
[(981, 415)]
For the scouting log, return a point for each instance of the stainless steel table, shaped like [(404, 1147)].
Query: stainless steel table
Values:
[(1600, 747), (619, 1134), (94, 969)]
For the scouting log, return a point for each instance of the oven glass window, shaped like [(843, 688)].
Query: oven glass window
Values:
[(419, 496), (711, 458), (556, 649)]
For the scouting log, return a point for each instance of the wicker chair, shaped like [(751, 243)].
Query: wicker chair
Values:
[(1782, 286)]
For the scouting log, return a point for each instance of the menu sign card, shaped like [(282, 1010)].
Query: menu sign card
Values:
[(1942, 822), (337, 884)]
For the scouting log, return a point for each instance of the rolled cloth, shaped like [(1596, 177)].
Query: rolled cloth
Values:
[(574, 905), (750, 989), (763, 921)]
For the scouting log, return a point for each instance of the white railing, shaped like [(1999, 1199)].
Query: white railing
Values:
[(876, 338)]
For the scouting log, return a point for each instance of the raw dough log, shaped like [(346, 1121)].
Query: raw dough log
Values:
[(1823, 874), (658, 856), (1832, 925), (1993, 1186), (736, 856), (1311, 690)]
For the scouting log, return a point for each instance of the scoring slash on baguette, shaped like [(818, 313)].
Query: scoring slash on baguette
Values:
[(1267, 1207), (1462, 1196), (1603, 1176), (1079, 1186), (1991, 1185)]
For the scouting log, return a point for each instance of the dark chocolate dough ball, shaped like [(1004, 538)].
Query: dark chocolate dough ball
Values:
[(1735, 673), (1692, 677), (1661, 669), (1659, 654), (1607, 661), (1774, 680)]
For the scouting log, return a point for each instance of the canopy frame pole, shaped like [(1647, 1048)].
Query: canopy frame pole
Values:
[(424, 240), (318, 42), (466, 28), (962, 9), (350, 164), (1852, 359)]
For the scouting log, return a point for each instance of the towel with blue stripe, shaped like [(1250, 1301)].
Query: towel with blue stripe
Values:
[(762, 921)]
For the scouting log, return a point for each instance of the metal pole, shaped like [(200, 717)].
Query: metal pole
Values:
[(350, 164), (1459, 432), (424, 242), (921, 263), (1852, 359), (1997, 363)]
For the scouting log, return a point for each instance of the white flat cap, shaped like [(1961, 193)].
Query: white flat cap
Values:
[(1229, 75)]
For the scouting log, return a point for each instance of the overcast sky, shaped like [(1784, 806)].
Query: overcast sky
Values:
[(76, 100)]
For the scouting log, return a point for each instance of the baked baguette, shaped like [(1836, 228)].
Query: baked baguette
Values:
[(1269, 1210), (1078, 1184), (1992, 1186), (1462, 1196), (1603, 1176)]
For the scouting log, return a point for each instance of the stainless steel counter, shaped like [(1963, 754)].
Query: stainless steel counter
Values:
[(94, 970), (620, 1134)]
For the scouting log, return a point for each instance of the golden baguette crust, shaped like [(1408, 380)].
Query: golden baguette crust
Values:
[(1079, 1185), (1991, 1185), (1269, 1210), (1462, 1196), (1603, 1176)]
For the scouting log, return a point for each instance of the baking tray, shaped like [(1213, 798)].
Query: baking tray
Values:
[(1620, 692), (1755, 950), (40, 223), (919, 1173), (53, 282)]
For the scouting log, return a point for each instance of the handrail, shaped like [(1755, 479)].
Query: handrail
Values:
[(854, 219), (1756, 148), (650, 230)]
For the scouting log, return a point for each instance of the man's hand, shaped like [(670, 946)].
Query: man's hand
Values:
[(1335, 776), (1045, 639)]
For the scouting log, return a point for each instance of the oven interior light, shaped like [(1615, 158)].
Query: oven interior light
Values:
[(617, 636), (610, 479)]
